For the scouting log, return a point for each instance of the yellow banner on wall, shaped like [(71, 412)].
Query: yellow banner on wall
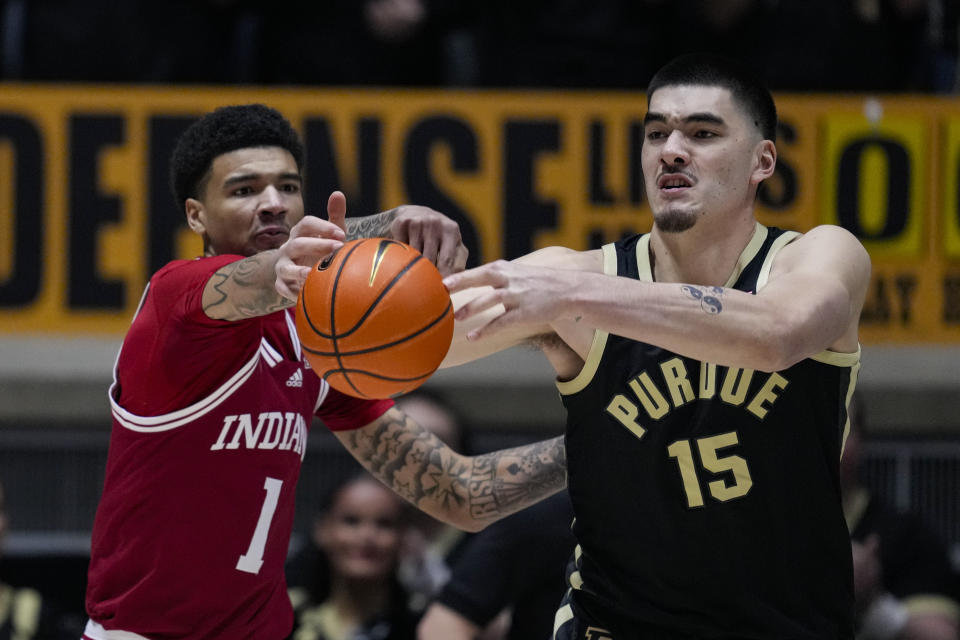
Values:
[(86, 215)]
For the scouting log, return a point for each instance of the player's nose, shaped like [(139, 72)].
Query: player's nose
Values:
[(674, 150), (271, 201)]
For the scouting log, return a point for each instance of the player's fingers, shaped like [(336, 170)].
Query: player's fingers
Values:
[(492, 327), (337, 209), (486, 300), (460, 260), (290, 279), (308, 250), (452, 255), (431, 248), (284, 290), (317, 227), (476, 277)]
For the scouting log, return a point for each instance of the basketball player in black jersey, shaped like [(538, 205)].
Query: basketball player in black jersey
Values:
[(706, 368)]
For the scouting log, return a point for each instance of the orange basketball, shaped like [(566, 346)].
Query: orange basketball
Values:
[(374, 318)]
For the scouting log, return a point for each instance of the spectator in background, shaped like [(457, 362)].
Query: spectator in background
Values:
[(431, 546), (24, 615), (903, 584), (516, 566), (356, 593)]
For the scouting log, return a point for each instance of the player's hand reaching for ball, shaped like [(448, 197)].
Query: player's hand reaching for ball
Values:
[(433, 234), (311, 240), (529, 295)]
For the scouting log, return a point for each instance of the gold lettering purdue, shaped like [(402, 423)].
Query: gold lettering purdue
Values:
[(676, 390)]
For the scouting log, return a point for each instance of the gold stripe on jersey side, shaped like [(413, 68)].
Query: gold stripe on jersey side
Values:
[(749, 253), (854, 372), (644, 272), (838, 359), (592, 363), (785, 238), (576, 580), (564, 614)]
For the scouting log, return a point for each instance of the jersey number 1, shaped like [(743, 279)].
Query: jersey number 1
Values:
[(252, 560)]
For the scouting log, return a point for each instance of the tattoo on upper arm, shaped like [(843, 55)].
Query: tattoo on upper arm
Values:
[(236, 290), (375, 226), (710, 298), (419, 467)]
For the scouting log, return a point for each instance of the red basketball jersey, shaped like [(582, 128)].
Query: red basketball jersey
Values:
[(210, 423)]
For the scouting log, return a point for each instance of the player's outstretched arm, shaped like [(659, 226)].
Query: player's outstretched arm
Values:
[(811, 303), (430, 232), (468, 492), (268, 281), (484, 307)]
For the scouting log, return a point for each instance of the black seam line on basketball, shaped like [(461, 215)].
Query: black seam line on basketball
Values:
[(333, 295), (333, 322), (373, 304), (378, 347), (376, 301), (374, 375), (306, 311)]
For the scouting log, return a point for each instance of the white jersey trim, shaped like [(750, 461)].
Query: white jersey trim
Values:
[(155, 424), (294, 336), (269, 353), (94, 631)]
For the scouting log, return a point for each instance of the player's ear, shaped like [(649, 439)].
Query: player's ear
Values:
[(195, 215), (765, 161)]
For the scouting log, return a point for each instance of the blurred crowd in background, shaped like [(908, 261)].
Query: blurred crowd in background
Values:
[(793, 45)]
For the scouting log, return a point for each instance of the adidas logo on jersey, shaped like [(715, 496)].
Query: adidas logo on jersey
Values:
[(296, 380)]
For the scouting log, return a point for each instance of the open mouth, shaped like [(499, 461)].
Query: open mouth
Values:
[(673, 181)]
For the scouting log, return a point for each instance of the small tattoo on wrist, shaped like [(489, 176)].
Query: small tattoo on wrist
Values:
[(710, 298)]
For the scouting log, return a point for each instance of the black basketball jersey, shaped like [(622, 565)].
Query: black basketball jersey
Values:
[(707, 497)]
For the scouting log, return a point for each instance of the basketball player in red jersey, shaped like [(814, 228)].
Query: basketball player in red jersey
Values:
[(212, 399)]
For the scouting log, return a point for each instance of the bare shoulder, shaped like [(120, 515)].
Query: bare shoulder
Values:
[(564, 258), (823, 248)]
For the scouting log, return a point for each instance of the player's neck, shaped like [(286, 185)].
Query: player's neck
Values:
[(705, 254)]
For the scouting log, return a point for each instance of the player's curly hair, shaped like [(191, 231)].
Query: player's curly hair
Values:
[(223, 130)]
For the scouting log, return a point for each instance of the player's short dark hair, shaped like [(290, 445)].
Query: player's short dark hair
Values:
[(716, 71), (224, 130)]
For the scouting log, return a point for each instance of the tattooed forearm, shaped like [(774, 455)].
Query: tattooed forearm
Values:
[(710, 298), (375, 226), (468, 492), (506, 481), (244, 289)]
